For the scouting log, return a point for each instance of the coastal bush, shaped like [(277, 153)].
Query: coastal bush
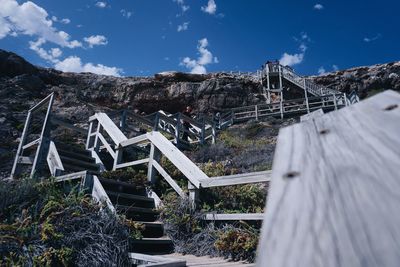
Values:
[(41, 225)]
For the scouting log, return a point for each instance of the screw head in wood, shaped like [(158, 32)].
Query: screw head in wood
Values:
[(391, 107), (291, 175)]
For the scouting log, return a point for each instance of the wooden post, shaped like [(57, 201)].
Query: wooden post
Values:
[(345, 99), (281, 104), (268, 87), (232, 117), (89, 135), (151, 170), (256, 111), (96, 144), (14, 170), (193, 194), (156, 122), (334, 101), (178, 129), (122, 123), (306, 96), (118, 157), (213, 133), (202, 134)]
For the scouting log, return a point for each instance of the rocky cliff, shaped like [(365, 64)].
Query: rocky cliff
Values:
[(79, 95)]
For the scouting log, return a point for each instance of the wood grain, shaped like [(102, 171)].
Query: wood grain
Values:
[(335, 190)]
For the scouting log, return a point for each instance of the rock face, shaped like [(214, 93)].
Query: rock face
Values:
[(363, 79), (79, 95)]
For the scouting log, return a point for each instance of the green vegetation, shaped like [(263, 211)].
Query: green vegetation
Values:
[(192, 235), (41, 225)]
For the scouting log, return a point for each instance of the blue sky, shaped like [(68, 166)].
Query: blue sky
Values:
[(143, 37)]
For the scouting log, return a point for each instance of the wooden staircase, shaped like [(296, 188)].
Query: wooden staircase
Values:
[(132, 201), (76, 159)]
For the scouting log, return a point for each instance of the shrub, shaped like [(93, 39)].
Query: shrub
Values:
[(192, 235), (238, 243), (138, 177), (43, 226)]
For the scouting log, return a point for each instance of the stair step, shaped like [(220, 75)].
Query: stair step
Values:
[(137, 213), (152, 229), (77, 162), (152, 245), (123, 187), (72, 148), (130, 199), (79, 156), (75, 168)]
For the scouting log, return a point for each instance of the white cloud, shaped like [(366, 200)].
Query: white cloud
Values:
[(205, 58), (31, 19), (65, 21), (126, 14), (210, 8), (335, 67), (183, 27), (371, 39), (101, 4), (50, 55), (95, 40), (318, 7), (184, 7), (321, 71), (291, 60), (297, 58), (74, 64)]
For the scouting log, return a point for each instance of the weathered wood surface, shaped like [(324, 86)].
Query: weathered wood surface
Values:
[(335, 190), (234, 216), (183, 163), (312, 115), (236, 179), (194, 261)]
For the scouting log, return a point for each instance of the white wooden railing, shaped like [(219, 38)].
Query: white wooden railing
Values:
[(116, 142)]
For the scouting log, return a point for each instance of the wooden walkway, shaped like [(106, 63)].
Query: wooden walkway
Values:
[(206, 261), (335, 190)]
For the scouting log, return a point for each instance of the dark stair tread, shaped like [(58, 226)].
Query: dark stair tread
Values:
[(77, 162), (136, 209), (72, 148), (79, 156), (157, 240), (69, 167), (119, 183), (130, 196)]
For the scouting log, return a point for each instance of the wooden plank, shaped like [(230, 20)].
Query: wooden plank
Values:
[(244, 178), (25, 160), (312, 115), (53, 160), (71, 176), (133, 141), (107, 145), (112, 130), (185, 165), (100, 194), (157, 261), (169, 179), (14, 169), (334, 198), (132, 163), (33, 143), (234, 217)]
